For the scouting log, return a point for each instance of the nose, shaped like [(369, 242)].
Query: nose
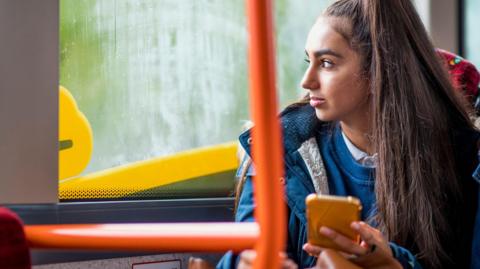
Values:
[(310, 79)]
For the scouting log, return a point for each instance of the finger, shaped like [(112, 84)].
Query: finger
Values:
[(345, 244), (243, 265), (374, 231), (365, 233), (371, 237), (248, 256), (330, 259), (286, 263), (289, 264), (364, 244), (376, 259), (312, 250)]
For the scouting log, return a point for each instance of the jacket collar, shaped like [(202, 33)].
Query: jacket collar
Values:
[(299, 125)]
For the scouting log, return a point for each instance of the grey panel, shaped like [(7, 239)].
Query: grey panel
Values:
[(199, 210), (127, 262), (444, 24), (28, 101)]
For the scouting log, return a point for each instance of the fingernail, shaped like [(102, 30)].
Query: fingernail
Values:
[(355, 225), (326, 231), (304, 246)]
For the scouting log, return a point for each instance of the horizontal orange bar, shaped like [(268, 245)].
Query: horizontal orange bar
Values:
[(214, 237)]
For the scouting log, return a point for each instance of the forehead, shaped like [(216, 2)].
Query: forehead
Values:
[(324, 35)]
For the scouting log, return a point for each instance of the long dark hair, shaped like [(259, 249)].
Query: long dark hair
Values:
[(414, 110)]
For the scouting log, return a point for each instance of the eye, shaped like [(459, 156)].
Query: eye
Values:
[(326, 64)]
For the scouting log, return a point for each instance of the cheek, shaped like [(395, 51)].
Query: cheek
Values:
[(340, 87), (346, 93)]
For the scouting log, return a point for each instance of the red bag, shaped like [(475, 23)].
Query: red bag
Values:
[(14, 252), (464, 75)]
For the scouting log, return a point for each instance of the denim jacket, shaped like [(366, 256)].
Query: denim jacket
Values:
[(299, 124)]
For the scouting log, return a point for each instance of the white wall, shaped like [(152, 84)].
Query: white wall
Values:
[(440, 19)]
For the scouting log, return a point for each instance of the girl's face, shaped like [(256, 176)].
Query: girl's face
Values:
[(337, 89)]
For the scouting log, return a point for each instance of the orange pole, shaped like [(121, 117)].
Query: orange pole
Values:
[(267, 149), (214, 237)]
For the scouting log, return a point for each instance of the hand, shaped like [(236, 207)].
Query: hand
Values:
[(371, 239), (377, 259), (331, 259), (197, 263), (372, 252), (248, 256)]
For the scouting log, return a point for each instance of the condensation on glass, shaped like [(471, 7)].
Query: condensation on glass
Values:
[(156, 77)]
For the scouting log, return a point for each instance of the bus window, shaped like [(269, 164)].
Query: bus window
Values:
[(157, 80)]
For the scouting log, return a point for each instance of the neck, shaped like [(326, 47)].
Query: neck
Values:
[(358, 134)]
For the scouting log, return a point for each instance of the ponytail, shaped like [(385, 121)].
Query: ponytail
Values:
[(414, 111)]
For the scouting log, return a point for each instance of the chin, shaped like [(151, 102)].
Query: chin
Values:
[(322, 116)]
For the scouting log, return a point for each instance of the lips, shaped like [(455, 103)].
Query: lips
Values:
[(316, 101)]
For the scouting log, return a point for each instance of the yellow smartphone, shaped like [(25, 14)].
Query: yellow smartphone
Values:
[(335, 212)]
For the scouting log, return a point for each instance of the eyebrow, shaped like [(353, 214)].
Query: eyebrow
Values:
[(321, 52)]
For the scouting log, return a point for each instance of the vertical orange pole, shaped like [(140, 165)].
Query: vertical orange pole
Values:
[(267, 147)]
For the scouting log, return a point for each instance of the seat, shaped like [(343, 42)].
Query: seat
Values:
[(14, 252)]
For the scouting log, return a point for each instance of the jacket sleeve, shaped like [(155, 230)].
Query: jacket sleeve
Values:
[(405, 257), (244, 213)]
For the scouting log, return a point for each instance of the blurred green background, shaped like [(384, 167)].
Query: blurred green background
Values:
[(155, 77)]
